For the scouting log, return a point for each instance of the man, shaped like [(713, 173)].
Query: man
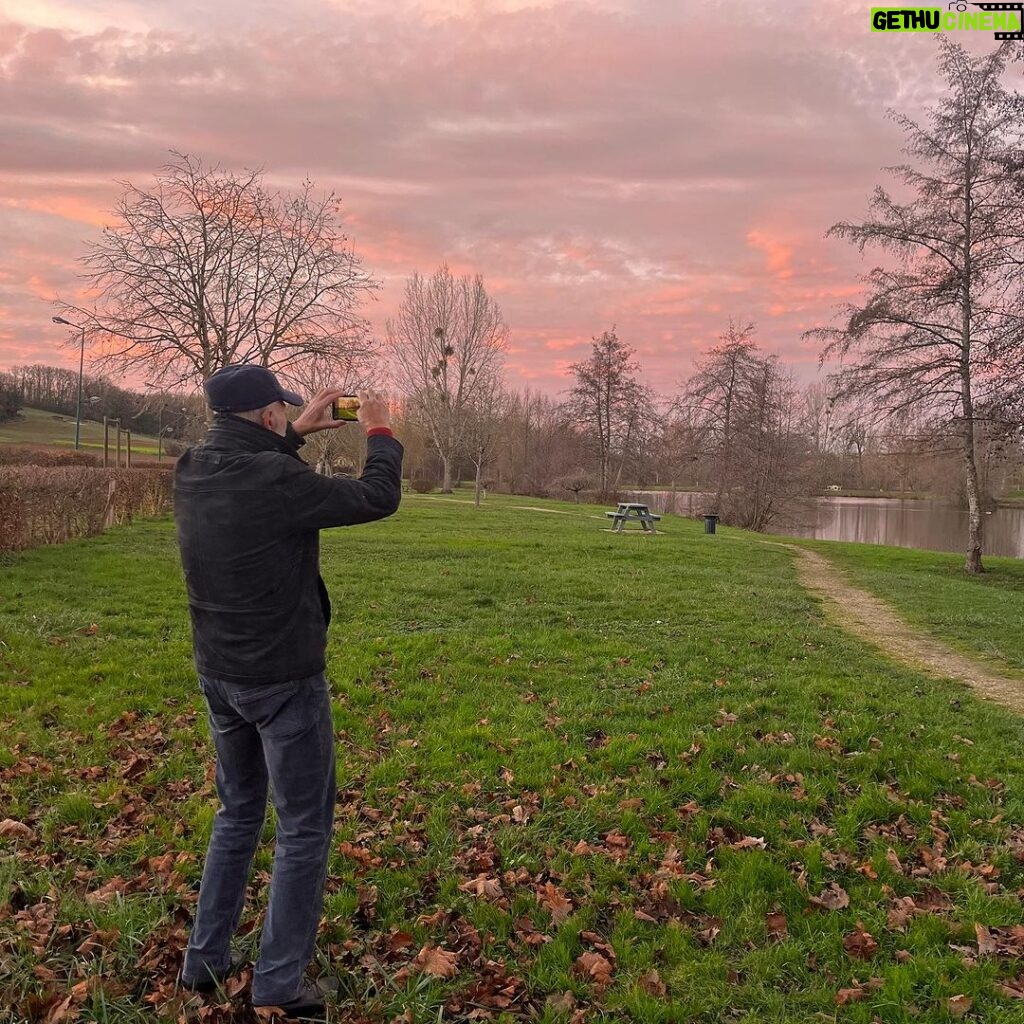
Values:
[(248, 512)]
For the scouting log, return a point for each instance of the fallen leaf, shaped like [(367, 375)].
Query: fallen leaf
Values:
[(855, 994), (860, 943), (595, 968), (776, 926), (555, 901), (561, 1003), (11, 829), (986, 944), (959, 1005), (835, 897), (652, 984), (437, 962)]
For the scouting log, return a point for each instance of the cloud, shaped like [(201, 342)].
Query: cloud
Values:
[(655, 166)]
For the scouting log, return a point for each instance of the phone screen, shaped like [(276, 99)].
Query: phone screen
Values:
[(344, 408)]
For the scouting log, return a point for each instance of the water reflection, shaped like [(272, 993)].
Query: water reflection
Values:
[(932, 525)]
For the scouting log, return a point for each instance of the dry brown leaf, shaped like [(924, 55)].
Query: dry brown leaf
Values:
[(437, 962), (776, 926), (1012, 987), (11, 829), (749, 843), (115, 886), (595, 968), (860, 943), (986, 944), (555, 901), (959, 1005), (482, 887), (652, 984), (563, 1002), (855, 994), (835, 897)]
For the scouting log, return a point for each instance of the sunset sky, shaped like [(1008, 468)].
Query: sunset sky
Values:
[(656, 165)]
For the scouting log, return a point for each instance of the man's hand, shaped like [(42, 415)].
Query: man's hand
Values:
[(373, 410), (317, 413)]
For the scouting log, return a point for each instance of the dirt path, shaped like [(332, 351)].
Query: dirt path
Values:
[(873, 620)]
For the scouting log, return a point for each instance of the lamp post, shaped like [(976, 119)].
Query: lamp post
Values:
[(81, 367)]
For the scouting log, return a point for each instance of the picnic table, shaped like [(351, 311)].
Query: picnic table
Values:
[(632, 510)]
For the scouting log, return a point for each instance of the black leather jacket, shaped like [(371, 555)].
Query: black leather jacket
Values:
[(248, 512)]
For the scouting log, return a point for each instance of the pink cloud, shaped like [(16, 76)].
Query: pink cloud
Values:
[(605, 163)]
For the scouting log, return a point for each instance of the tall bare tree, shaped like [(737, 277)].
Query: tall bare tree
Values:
[(448, 340), (607, 399), (486, 428), (942, 328), (754, 450), (209, 267), (719, 387)]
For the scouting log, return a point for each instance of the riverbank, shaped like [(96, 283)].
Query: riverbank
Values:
[(637, 778)]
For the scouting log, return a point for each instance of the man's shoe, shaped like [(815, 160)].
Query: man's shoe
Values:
[(309, 1004), (212, 980)]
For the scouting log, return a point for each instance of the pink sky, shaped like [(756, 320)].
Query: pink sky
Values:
[(658, 166)]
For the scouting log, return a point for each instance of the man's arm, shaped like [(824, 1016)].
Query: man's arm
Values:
[(317, 501)]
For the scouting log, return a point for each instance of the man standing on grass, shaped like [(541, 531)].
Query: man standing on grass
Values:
[(248, 512)]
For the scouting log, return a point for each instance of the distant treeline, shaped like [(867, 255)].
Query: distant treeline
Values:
[(55, 390)]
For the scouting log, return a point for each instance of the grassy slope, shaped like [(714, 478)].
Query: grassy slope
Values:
[(502, 659), (46, 428)]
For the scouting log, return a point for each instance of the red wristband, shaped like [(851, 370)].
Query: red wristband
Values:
[(385, 431)]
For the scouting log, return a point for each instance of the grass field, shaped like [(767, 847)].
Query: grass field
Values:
[(583, 777), (36, 426)]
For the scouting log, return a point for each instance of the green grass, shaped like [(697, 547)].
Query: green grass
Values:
[(981, 615), (662, 731), (35, 426)]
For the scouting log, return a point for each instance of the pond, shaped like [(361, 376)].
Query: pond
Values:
[(905, 523)]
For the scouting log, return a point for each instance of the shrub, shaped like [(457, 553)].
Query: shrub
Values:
[(28, 455), (576, 481), (422, 484), (48, 505)]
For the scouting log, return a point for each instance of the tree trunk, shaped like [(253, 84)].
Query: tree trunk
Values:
[(972, 562), (476, 496), (446, 481)]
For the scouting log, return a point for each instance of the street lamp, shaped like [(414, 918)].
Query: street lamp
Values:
[(81, 367)]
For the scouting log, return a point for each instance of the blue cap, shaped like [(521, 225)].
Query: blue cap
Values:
[(245, 386)]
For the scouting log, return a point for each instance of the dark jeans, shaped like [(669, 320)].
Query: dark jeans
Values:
[(282, 733)]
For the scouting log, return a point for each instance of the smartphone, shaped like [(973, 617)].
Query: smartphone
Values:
[(344, 408)]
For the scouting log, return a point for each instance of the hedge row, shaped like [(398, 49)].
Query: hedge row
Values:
[(49, 505), (39, 455)]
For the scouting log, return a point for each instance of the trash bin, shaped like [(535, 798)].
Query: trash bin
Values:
[(710, 522)]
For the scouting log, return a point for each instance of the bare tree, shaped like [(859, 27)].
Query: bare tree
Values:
[(717, 388), (448, 339), (486, 426), (208, 267), (942, 328), (753, 447), (541, 443), (576, 481), (607, 399)]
